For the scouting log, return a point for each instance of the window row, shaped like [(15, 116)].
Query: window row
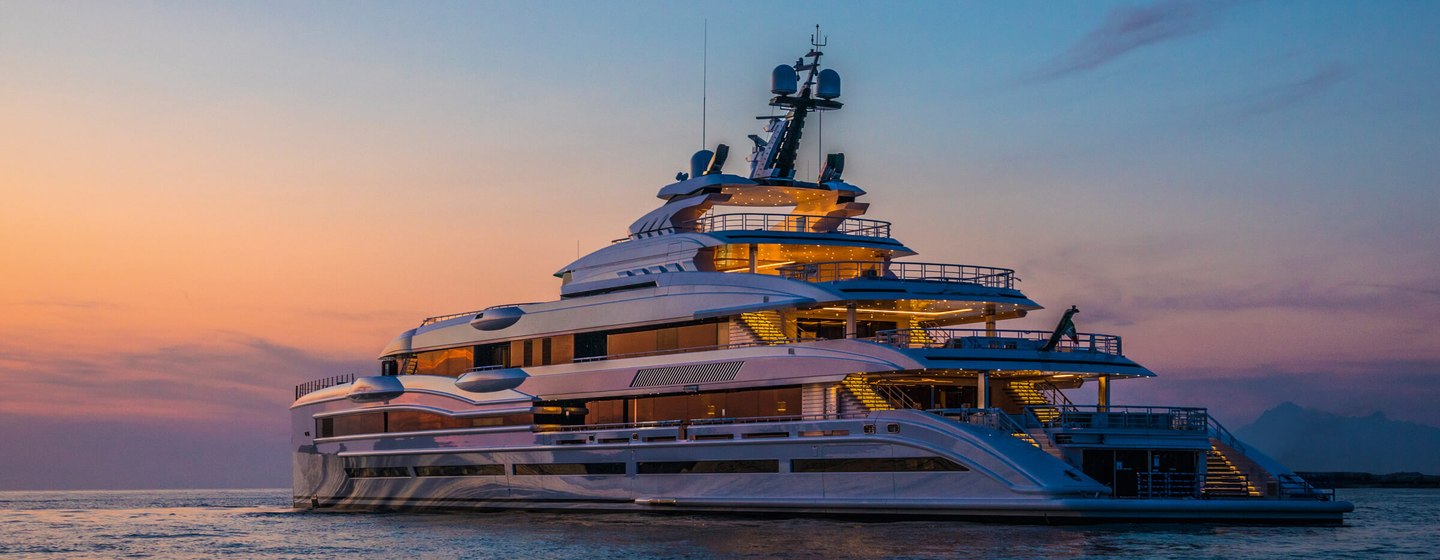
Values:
[(564, 349), (381, 422), (742, 466), (750, 403)]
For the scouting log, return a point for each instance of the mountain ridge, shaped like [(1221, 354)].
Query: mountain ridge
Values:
[(1312, 440)]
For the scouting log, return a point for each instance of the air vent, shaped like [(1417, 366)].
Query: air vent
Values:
[(684, 375)]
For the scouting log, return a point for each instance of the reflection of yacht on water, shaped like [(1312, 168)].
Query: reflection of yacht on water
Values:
[(726, 358)]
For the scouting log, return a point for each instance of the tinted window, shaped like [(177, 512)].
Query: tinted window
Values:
[(569, 468), (878, 464), (377, 472), (709, 467), (461, 470)]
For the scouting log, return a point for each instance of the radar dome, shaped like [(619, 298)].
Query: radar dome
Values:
[(829, 84), (783, 80)]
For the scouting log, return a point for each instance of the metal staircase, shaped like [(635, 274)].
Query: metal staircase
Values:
[(919, 337), (863, 392), (765, 325), (1026, 394), (1223, 480)]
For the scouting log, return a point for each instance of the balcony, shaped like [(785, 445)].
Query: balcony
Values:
[(837, 271), (981, 339)]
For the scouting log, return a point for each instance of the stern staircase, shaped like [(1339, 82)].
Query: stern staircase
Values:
[(1224, 480)]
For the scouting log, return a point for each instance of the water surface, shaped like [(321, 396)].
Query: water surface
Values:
[(259, 524)]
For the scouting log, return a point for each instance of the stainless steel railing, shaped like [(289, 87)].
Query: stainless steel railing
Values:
[(793, 223), (1166, 418), (997, 340), (322, 383), (835, 271)]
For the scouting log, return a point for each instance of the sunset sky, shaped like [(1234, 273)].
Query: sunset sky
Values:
[(206, 203)]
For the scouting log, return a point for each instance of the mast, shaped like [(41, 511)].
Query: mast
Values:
[(775, 159)]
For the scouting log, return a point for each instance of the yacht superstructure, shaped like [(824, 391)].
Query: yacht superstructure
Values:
[(755, 345)]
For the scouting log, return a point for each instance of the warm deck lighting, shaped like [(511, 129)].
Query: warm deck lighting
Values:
[(899, 312)]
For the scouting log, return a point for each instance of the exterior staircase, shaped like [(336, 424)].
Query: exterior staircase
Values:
[(919, 337), (765, 325), (1025, 393), (860, 388), (1038, 438), (1223, 480)]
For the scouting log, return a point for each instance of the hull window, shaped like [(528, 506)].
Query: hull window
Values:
[(879, 464), (709, 467), (461, 470), (377, 472), (523, 469)]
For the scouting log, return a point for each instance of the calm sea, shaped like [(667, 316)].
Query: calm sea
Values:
[(257, 524)]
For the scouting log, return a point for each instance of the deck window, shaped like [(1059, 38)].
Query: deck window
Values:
[(391, 421)]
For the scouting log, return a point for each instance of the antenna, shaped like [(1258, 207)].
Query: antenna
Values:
[(704, 83), (823, 41)]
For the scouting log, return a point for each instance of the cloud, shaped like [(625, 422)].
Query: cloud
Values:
[(1128, 28), (232, 378), (1290, 94)]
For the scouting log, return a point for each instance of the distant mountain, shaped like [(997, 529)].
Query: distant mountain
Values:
[(1311, 440)]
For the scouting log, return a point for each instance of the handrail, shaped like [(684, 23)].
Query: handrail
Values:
[(1055, 395), (895, 396), (836, 271), (991, 417), (439, 318), (1219, 432), (931, 337), (704, 422), (1165, 418), (793, 223), (322, 383)]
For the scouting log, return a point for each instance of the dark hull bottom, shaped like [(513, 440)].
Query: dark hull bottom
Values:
[(1051, 512)]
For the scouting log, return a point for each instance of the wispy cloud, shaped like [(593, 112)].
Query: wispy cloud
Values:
[(1289, 94), (1128, 28)]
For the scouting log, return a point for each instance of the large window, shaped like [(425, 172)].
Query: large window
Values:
[(569, 468), (875, 464), (450, 362), (709, 467), (390, 421), (461, 470), (696, 406)]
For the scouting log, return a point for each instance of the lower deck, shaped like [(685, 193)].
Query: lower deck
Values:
[(884, 465)]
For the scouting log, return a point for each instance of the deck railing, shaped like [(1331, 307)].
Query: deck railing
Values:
[(792, 223), (322, 383), (989, 417), (997, 340), (1165, 418), (834, 271)]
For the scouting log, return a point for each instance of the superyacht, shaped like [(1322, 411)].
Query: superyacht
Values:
[(754, 345)]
